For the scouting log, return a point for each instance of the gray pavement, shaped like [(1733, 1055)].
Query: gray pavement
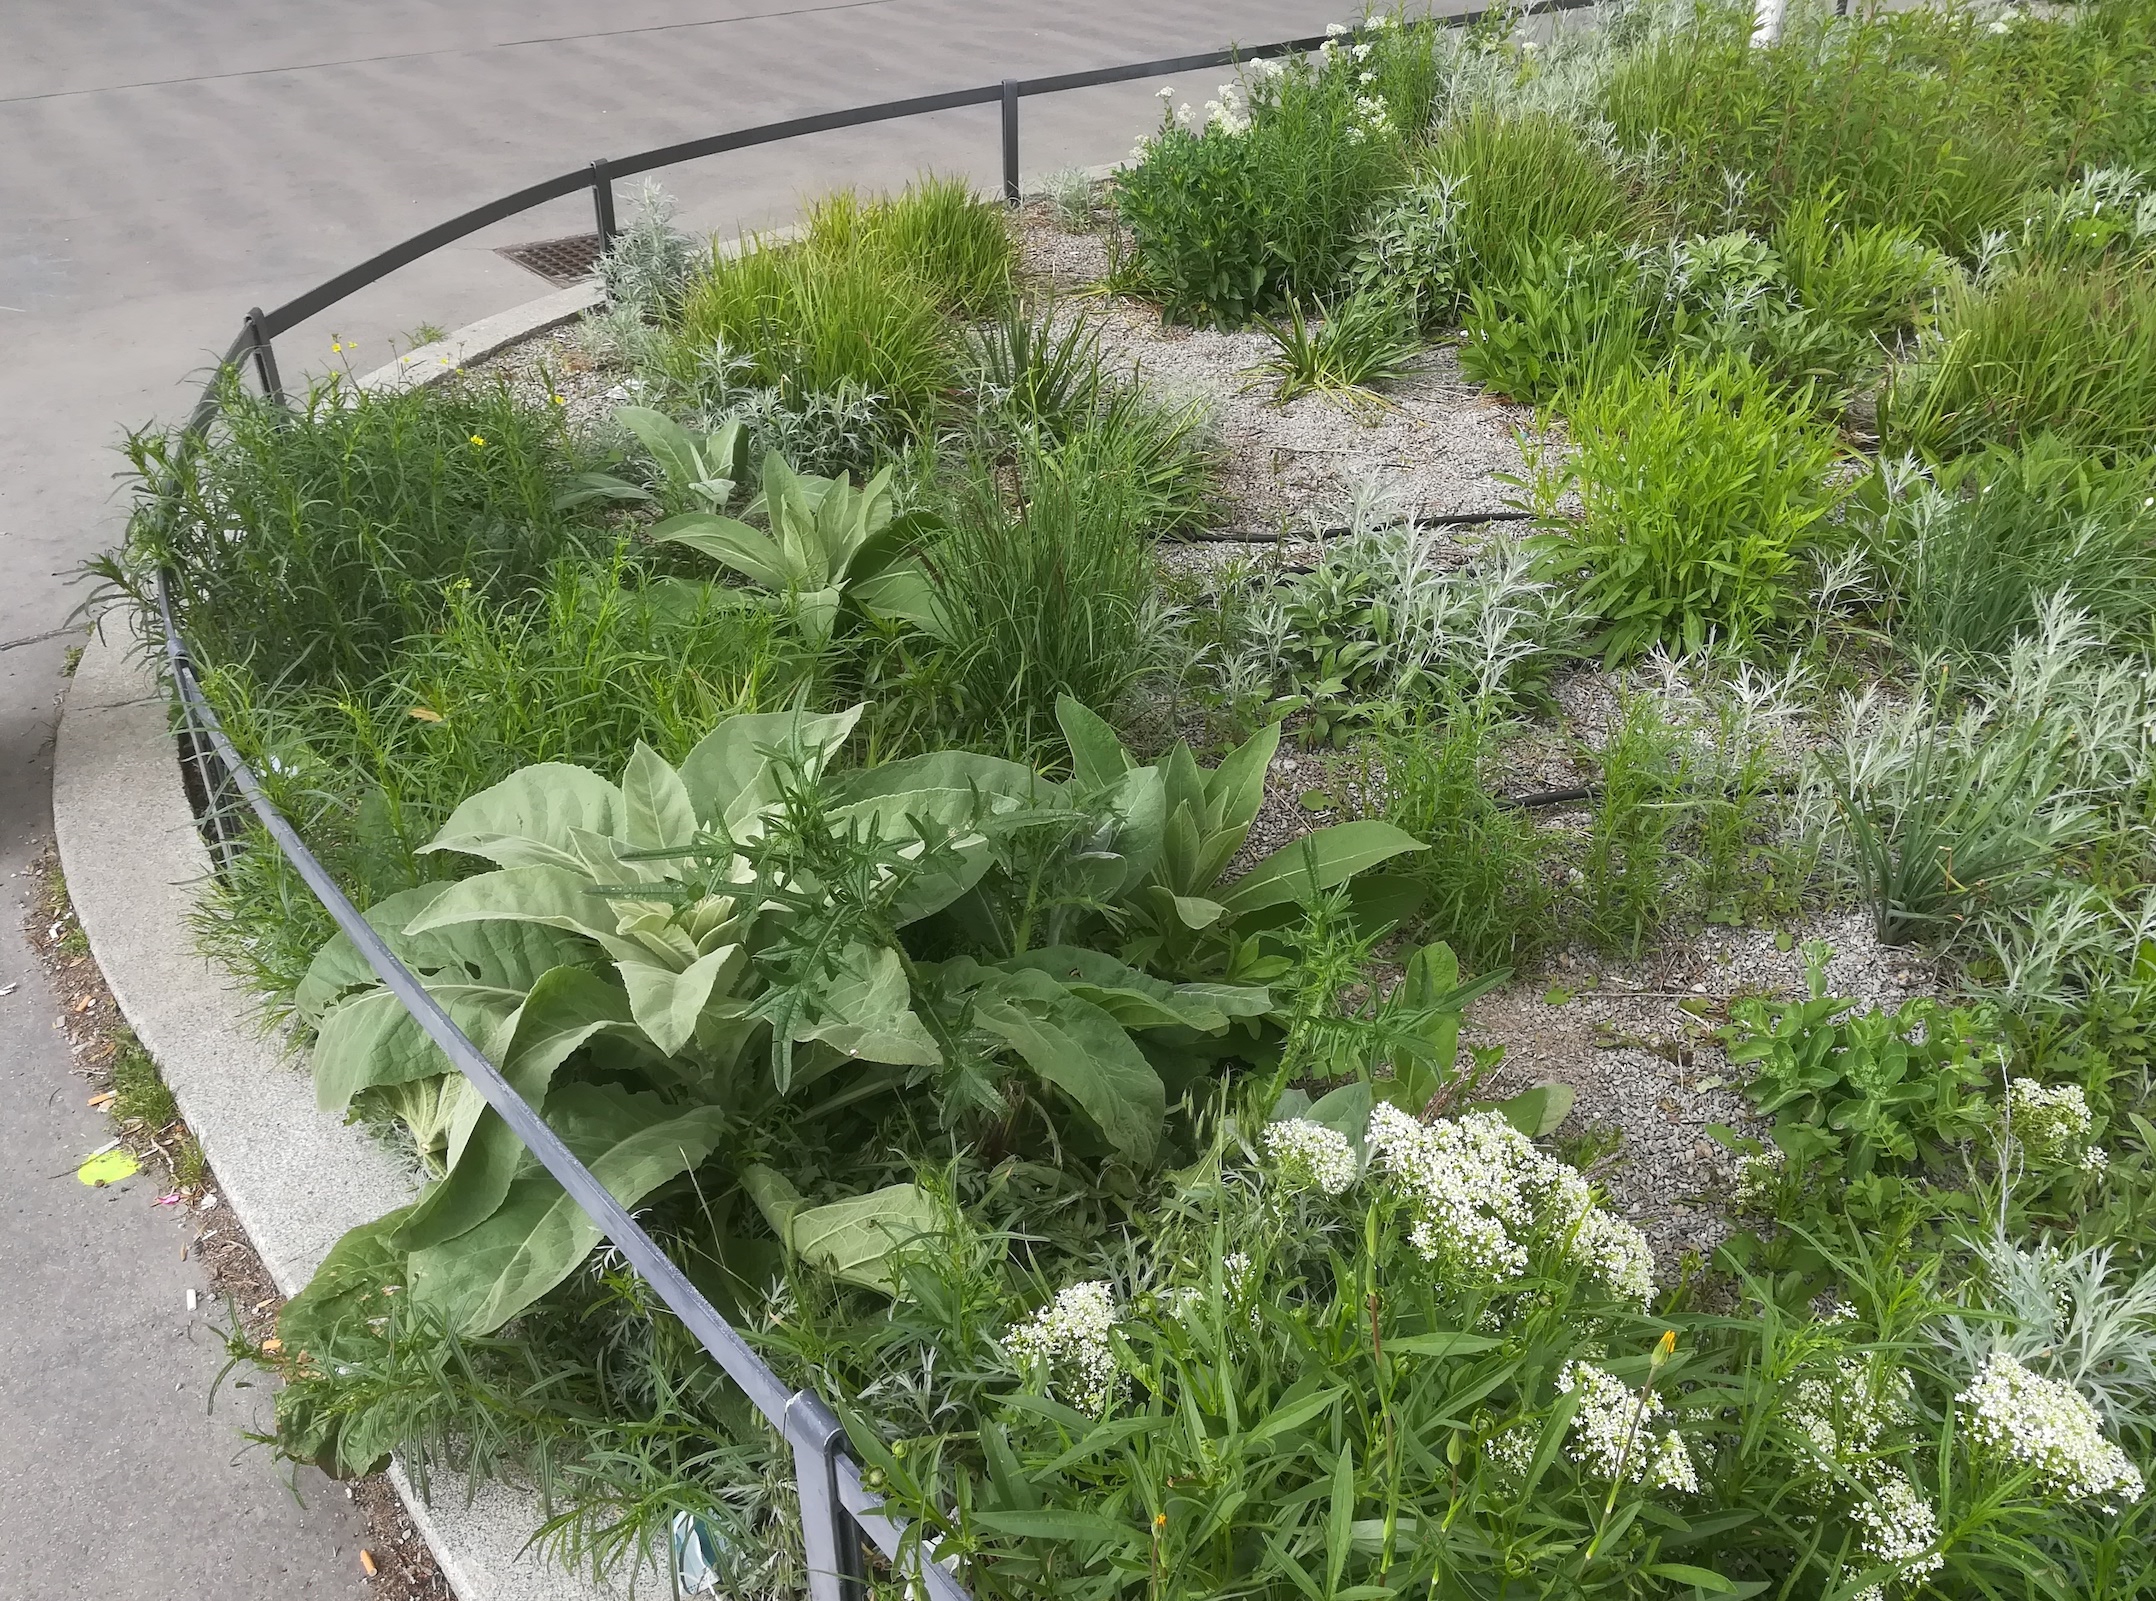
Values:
[(163, 166)]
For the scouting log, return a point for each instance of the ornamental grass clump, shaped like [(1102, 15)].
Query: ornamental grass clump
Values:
[(1975, 548), (308, 542), (1704, 498), (2058, 349)]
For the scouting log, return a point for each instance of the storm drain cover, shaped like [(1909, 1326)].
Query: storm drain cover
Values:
[(560, 262)]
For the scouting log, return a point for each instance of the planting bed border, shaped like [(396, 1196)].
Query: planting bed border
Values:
[(135, 859), (135, 863)]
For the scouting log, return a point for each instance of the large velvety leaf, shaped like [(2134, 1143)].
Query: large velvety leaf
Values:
[(854, 1239), (1139, 1000), (1317, 861), (511, 955), (1082, 1051), (731, 543), (672, 446), (1236, 788), (487, 1275), (345, 1288), (527, 818), (960, 770), (903, 594), (372, 1040), (867, 1012), (655, 804), (1097, 756), (566, 1009), (555, 897), (668, 1004), (728, 774)]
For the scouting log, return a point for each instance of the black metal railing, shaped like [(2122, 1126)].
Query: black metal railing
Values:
[(837, 1509)]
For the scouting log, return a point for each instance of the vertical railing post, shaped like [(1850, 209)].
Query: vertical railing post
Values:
[(265, 357), (602, 204), (1010, 141), (830, 1539)]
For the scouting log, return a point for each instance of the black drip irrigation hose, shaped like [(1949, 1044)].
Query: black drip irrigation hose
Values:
[(1450, 519), (1582, 794)]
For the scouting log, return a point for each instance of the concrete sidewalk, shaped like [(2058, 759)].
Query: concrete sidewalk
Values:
[(168, 167)]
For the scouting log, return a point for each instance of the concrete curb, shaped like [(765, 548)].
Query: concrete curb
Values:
[(485, 337), (295, 1176), (136, 869)]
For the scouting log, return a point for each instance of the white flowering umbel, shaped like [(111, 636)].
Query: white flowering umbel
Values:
[(2047, 1123), (1844, 1416), (1899, 1526), (1310, 1156), (2023, 1419), (1481, 1192), (1611, 1437), (1069, 1336)]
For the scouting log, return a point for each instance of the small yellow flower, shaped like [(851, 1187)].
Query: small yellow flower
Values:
[(478, 440), (1664, 1349), (1160, 1520), (559, 400)]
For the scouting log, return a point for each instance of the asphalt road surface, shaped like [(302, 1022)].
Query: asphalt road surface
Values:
[(164, 166)]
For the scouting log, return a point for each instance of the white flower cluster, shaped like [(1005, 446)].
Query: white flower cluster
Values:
[(1844, 1416), (1480, 1189), (2028, 1420), (1070, 1336), (1371, 119), (1228, 113), (1899, 1527), (1611, 1437), (2047, 1123), (1759, 1176), (1512, 1451), (1310, 1156)]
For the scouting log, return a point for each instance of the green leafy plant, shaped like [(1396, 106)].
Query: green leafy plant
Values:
[(1361, 341), (670, 931), (1975, 549), (821, 317), (936, 229), (1039, 599), (832, 550), (1482, 879), (1042, 377), (1572, 318), (1854, 1091), (313, 540), (697, 472), (1965, 805), (1259, 208), (1524, 183), (1177, 895), (1703, 492)]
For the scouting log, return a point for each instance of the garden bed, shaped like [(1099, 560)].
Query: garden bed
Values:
[(1464, 764)]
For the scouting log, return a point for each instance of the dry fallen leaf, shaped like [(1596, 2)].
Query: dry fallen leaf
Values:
[(273, 1345), (366, 1561), (426, 716)]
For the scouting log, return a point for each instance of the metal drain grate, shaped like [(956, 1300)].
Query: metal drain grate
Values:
[(560, 262)]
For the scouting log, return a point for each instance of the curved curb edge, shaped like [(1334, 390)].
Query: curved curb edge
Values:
[(136, 869)]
